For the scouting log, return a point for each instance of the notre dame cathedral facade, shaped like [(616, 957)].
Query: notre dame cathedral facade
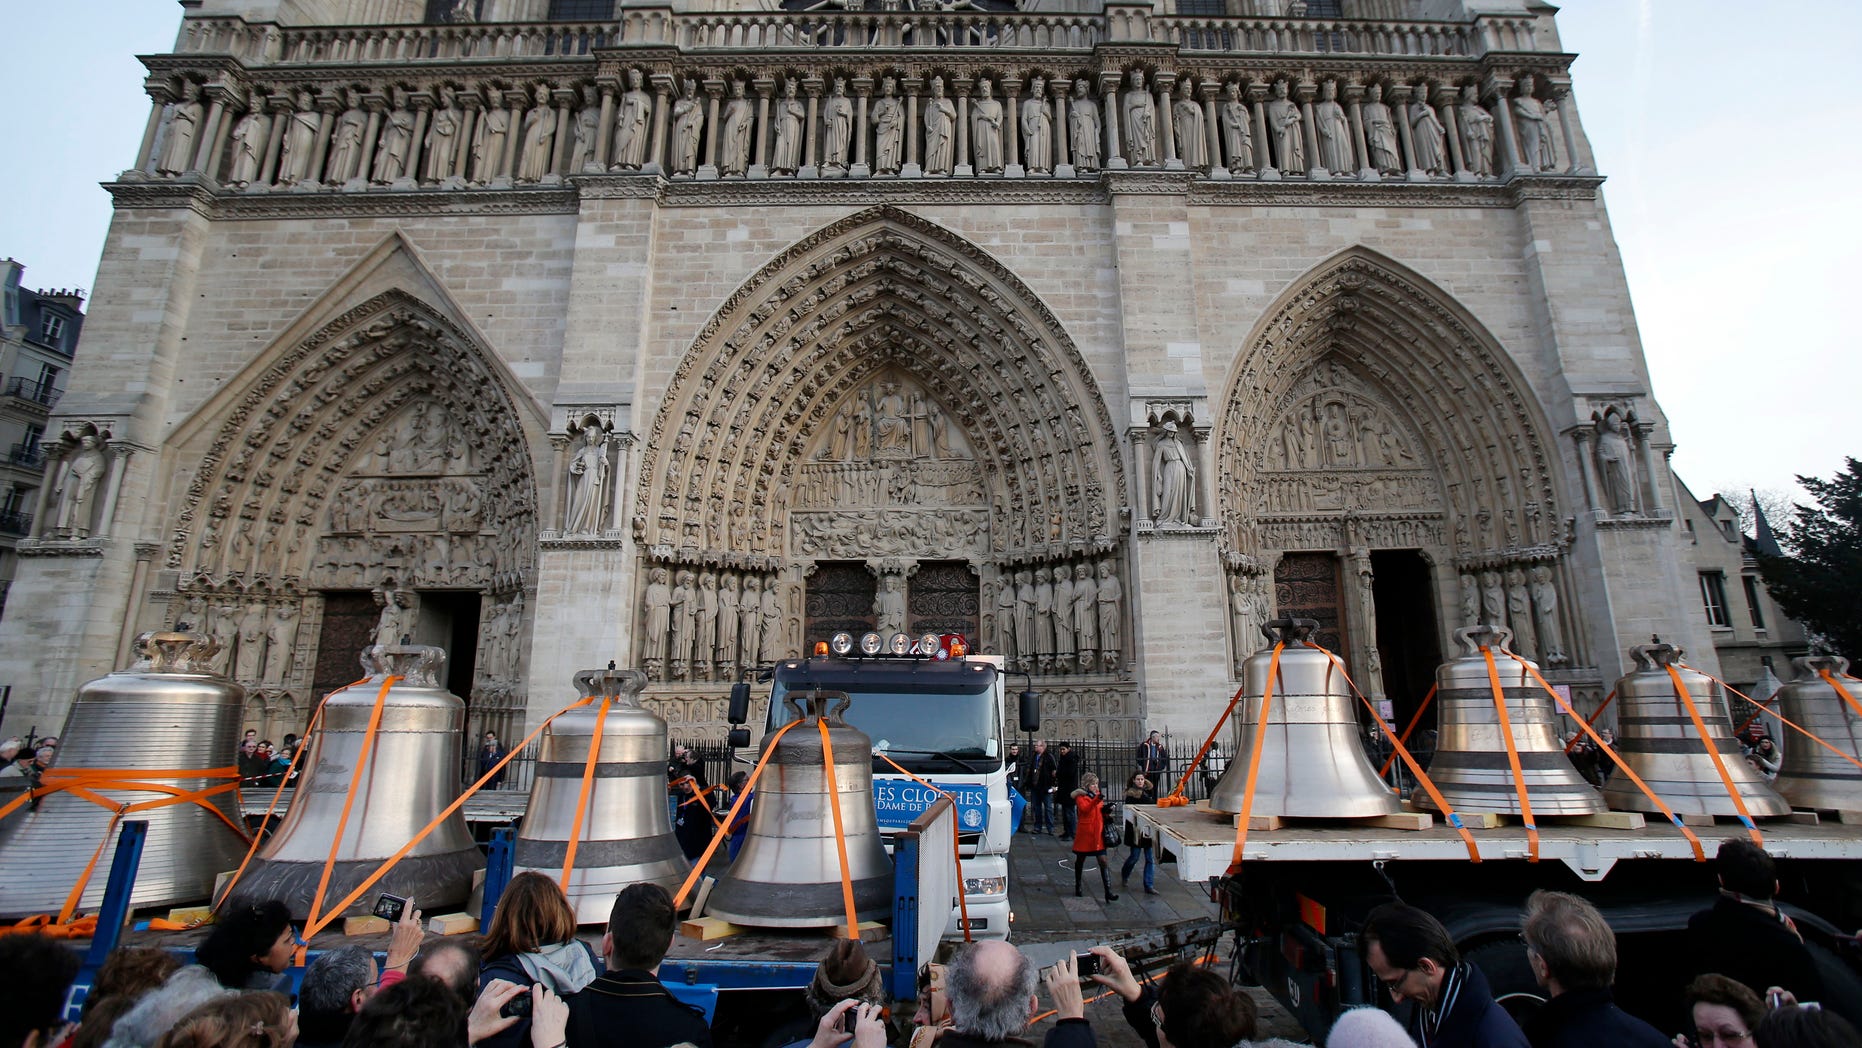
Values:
[(683, 334)]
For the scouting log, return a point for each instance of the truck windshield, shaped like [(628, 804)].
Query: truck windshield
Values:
[(924, 721)]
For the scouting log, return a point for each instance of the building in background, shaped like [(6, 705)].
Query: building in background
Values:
[(1751, 635), (38, 339)]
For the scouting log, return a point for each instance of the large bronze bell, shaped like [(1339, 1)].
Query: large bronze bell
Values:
[(1657, 738), (411, 775), (1813, 777), (1313, 764), (625, 836), (167, 711), (1471, 767), (788, 874)]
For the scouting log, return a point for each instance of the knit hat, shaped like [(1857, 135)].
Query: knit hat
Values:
[(1367, 1028), (846, 972)]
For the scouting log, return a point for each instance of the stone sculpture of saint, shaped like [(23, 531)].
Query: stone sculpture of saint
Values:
[(533, 157), (1083, 131), (397, 618), (1545, 615), (986, 130), (658, 602), (940, 130), (889, 605), (488, 141), (587, 129), (728, 620), (1380, 133), (1428, 134), (1333, 129), (75, 495), (1110, 592), (1493, 599), (705, 640), (630, 123), (1476, 133), (1037, 125), (1535, 135), (588, 483), (684, 615), (1085, 614), (688, 123), (1173, 500), (442, 149), (300, 141), (750, 621), (837, 125), (1063, 613), (1613, 463), (1192, 133), (1044, 615), (346, 142), (734, 138), (1283, 122), (789, 115), (183, 128), (248, 147), (397, 141), (769, 625), (1140, 111), (280, 639), (1025, 615), (1470, 601), (224, 629), (888, 129), (250, 662), (1237, 130), (1008, 619)]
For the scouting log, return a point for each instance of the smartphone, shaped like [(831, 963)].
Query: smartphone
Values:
[(390, 907), (849, 1019), (1089, 965), (517, 1007)]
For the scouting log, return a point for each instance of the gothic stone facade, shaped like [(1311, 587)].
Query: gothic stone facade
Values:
[(685, 339)]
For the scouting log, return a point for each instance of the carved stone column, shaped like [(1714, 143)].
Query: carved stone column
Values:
[(862, 87), (910, 87), (604, 131), (1062, 93), (1011, 128), (1354, 109), (1361, 618), (1218, 168), (1399, 107), (376, 105), (278, 105), (214, 133), (1445, 107), (1651, 474), (423, 112), (1139, 437), (1263, 149), (714, 90), (1498, 90), (962, 167), (514, 102), (1567, 116), (326, 123), (1303, 94), (1167, 121), (160, 95), (811, 154), (662, 101), (559, 163), (470, 104), (1588, 470), (1109, 115), (765, 88)]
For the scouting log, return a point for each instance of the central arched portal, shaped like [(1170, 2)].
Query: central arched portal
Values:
[(884, 428)]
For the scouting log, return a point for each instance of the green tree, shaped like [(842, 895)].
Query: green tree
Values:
[(1816, 576)]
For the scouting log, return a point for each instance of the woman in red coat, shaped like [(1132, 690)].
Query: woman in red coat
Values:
[(1089, 838)]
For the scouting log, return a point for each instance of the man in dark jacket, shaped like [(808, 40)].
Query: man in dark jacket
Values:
[(991, 987), (1411, 954), (1066, 780), (627, 1005), (1745, 936), (1038, 787), (1573, 955)]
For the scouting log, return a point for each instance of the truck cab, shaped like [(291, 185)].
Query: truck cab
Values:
[(940, 719)]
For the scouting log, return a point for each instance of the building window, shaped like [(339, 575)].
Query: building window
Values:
[(1325, 9), (1202, 8), (1713, 596), (581, 10), (1752, 600), (440, 12), (51, 328)]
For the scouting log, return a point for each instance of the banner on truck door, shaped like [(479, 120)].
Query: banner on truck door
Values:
[(898, 801)]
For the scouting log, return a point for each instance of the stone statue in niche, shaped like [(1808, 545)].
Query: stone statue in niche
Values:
[(397, 141), (494, 127), (1109, 594), (182, 128), (1545, 615), (1493, 599), (1085, 615), (750, 620), (940, 130), (769, 624), (1476, 133), (1615, 467), (534, 153), (588, 482), (345, 154), (74, 492), (280, 639), (705, 639), (1173, 499), (986, 130), (1333, 130), (728, 621), (734, 137), (1037, 127), (684, 620), (889, 605), (224, 629), (631, 123), (888, 129), (1083, 131), (248, 147), (1237, 130), (397, 617), (300, 140), (1025, 618), (837, 127), (442, 147), (1283, 122), (788, 116), (1470, 601), (1519, 614), (658, 601), (587, 128), (1008, 634), (1535, 135), (513, 632), (1192, 135), (1063, 617), (1044, 618), (1140, 111), (424, 442), (1380, 133), (250, 662), (688, 123), (1428, 134)]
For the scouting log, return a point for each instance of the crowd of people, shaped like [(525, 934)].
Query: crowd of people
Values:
[(23, 762), (262, 765)]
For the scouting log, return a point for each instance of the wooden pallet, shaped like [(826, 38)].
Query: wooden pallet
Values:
[(1816, 816), (1603, 820), (1403, 820), (1689, 818)]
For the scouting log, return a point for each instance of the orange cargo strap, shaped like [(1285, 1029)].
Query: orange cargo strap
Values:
[(1422, 779), (1719, 763), (1408, 729), (832, 783), (1175, 797), (719, 837), (963, 904), (1590, 720), (349, 802), (1254, 759), (1767, 711), (588, 783), (1700, 853), (1830, 679), (1512, 755)]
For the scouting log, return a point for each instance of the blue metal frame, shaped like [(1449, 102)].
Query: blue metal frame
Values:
[(113, 914), (906, 948), (499, 858)]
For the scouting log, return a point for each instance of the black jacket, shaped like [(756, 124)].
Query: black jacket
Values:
[(1067, 1033), (630, 1009), (1589, 1019), (1040, 774), (1473, 1020), (1067, 772), (1744, 943)]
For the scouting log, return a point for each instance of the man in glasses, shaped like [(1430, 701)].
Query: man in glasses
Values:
[(1412, 955)]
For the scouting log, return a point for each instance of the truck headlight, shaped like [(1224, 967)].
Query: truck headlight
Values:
[(985, 885)]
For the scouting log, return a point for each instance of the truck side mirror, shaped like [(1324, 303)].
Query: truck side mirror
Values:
[(738, 738), (740, 703), (1030, 701)]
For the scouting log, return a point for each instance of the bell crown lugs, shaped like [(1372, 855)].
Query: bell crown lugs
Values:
[(418, 665), (1291, 632), (1471, 639)]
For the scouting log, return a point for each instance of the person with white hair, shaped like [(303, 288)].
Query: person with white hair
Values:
[(156, 1014), (1368, 1028), (991, 988)]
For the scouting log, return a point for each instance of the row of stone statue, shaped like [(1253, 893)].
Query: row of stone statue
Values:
[(701, 625), (1061, 618), (352, 139), (1523, 598), (256, 639)]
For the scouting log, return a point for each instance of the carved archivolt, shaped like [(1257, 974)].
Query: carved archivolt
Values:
[(879, 291)]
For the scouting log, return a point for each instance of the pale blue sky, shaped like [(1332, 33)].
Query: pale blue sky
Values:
[(1729, 131)]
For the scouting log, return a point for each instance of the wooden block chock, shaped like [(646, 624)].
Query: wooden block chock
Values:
[(869, 931), (452, 924), (191, 915), (704, 929), (368, 924)]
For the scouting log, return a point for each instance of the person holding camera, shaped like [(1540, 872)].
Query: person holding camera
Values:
[(1089, 837), (1193, 1008), (532, 940)]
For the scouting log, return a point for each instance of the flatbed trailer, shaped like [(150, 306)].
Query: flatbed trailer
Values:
[(1299, 897)]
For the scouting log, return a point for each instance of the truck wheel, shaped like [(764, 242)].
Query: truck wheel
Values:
[(1510, 975)]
